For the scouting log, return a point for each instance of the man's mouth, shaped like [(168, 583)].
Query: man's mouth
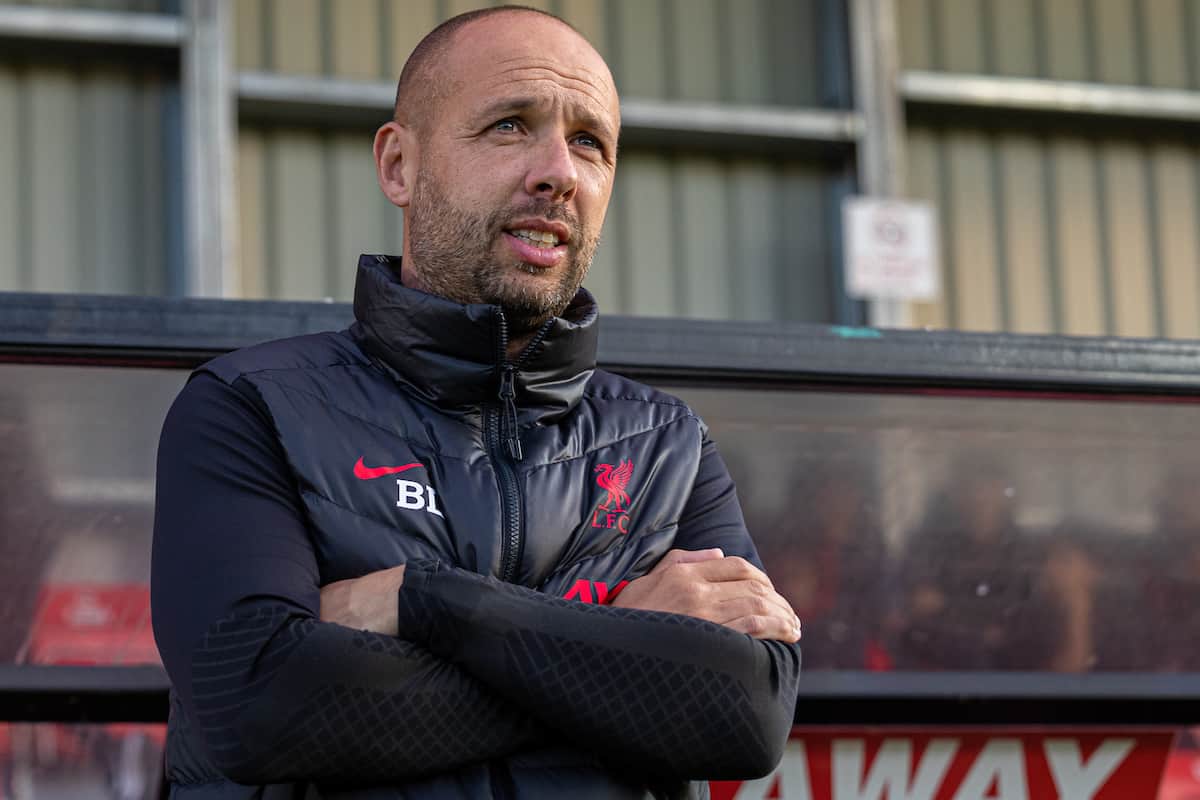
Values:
[(539, 239)]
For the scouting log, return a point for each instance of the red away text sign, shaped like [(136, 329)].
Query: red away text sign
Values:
[(963, 764)]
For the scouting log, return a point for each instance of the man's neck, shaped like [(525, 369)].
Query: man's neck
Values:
[(516, 342)]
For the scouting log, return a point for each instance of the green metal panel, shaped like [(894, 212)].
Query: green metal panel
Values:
[(694, 42), (705, 270), (648, 209), (55, 164), (1057, 233), (1134, 42), (1117, 46), (753, 238)]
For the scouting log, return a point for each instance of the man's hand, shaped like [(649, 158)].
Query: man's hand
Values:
[(368, 603), (705, 584)]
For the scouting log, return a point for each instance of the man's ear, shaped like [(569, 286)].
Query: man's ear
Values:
[(396, 162)]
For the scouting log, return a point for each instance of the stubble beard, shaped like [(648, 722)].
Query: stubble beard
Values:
[(454, 255)]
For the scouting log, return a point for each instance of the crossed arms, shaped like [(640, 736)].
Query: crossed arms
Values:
[(281, 690)]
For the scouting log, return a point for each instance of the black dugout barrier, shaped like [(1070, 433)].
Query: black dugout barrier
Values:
[(978, 529)]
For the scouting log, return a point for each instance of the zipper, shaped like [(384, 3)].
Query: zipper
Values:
[(504, 446)]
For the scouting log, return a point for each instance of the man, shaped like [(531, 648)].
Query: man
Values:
[(440, 554)]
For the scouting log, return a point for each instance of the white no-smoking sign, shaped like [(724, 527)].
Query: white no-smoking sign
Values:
[(891, 249)]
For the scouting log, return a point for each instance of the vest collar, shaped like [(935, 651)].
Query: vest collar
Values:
[(452, 354)]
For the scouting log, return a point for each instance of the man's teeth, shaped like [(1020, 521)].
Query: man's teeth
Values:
[(537, 238)]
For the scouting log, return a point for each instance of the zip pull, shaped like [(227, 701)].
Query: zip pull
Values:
[(508, 397)]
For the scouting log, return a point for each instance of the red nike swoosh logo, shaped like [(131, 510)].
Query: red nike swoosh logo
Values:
[(365, 473)]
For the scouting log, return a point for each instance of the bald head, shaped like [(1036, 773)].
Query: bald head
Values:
[(502, 155), (423, 81)]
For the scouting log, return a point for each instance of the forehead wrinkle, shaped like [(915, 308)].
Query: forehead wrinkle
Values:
[(589, 90)]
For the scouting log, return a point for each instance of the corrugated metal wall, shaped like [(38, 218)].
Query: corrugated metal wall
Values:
[(693, 235), (83, 205), (1060, 229)]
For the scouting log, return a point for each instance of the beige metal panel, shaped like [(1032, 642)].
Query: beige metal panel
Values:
[(1177, 179), (604, 277), (588, 17), (295, 30), (302, 217), (648, 208), (1013, 25), (916, 47), (408, 22), (639, 33), (358, 225), (12, 198), (754, 233), (1191, 32), (748, 47), (1167, 39), (702, 226), (355, 39), (696, 47), (1023, 192), (1128, 230), (55, 164), (1078, 237), (248, 33), (108, 184), (455, 7), (1116, 41), (972, 197), (252, 235), (924, 182), (1066, 35), (961, 44)]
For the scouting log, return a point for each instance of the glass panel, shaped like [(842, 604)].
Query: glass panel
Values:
[(931, 531), (81, 762), (973, 532), (77, 449)]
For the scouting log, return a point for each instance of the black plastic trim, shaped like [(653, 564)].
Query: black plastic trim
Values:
[(35, 693), (139, 694), (185, 332)]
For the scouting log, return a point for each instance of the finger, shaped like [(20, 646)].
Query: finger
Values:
[(766, 627), (732, 568), (689, 557), (770, 605)]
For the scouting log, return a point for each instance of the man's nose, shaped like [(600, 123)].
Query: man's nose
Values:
[(552, 173)]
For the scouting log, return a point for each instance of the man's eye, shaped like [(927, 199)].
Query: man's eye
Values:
[(506, 126), (587, 140)]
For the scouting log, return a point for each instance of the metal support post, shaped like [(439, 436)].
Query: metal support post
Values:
[(876, 57), (210, 151)]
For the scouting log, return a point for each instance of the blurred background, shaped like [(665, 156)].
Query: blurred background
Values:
[(222, 149)]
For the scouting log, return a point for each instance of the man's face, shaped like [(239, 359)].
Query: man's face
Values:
[(515, 168)]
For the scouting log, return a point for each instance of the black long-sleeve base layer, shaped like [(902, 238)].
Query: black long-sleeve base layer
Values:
[(482, 669)]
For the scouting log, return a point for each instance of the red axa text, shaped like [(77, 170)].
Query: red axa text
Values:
[(586, 591)]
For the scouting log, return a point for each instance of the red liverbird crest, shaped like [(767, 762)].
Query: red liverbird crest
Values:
[(614, 480)]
